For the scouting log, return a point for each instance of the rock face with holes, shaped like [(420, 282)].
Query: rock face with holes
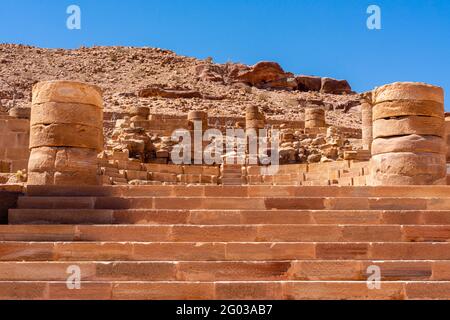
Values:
[(66, 133), (408, 131)]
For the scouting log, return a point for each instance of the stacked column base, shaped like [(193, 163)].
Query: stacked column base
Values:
[(66, 133), (408, 130)]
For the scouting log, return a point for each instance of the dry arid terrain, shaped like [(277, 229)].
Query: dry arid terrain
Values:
[(172, 84)]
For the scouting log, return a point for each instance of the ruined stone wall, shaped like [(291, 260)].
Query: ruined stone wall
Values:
[(165, 124), (14, 139), (117, 169), (343, 173)]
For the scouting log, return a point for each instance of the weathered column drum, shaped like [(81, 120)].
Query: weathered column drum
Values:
[(366, 116), (198, 116), (408, 130), (66, 133), (447, 136), (314, 118), (254, 119), (198, 145)]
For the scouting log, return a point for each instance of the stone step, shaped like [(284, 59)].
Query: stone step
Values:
[(60, 216), (230, 217), (260, 203), (240, 191), (229, 175), (227, 168), (311, 270), (227, 233), (225, 290), (221, 251), (232, 181)]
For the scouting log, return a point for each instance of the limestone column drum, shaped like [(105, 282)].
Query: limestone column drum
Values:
[(408, 129), (66, 133), (314, 118)]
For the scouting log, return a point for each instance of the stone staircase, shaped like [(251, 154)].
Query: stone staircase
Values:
[(218, 242), (232, 175)]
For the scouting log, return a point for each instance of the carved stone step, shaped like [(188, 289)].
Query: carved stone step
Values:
[(225, 290)]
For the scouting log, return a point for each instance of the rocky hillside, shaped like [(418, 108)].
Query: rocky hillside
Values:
[(173, 84)]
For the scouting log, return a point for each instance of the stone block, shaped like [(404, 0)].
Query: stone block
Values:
[(164, 177), (163, 291), (17, 165), (249, 290), (18, 125), (407, 168), (71, 159), (66, 135), (67, 92), (17, 153), (409, 143), (136, 175), (163, 168), (407, 108), (67, 113), (408, 91), (20, 112), (409, 125), (129, 164)]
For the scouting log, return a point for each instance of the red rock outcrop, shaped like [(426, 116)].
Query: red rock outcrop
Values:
[(334, 86), (267, 75), (308, 83)]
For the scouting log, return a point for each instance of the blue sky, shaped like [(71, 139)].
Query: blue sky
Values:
[(319, 37)]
